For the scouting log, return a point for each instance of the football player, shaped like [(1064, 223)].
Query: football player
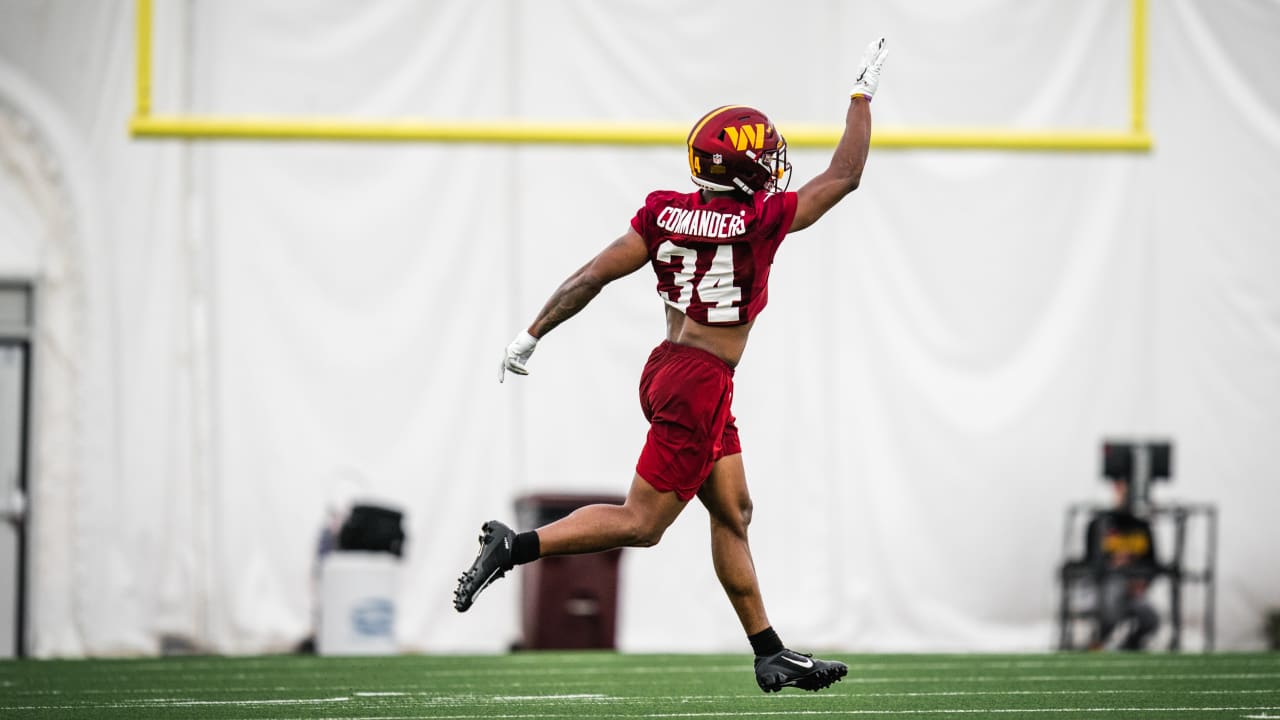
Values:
[(711, 252)]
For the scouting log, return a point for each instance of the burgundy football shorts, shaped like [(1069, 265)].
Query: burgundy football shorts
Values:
[(686, 394)]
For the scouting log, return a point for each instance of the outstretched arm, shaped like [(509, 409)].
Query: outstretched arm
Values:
[(622, 257), (845, 171)]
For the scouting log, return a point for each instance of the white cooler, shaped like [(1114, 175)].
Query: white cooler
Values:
[(357, 603)]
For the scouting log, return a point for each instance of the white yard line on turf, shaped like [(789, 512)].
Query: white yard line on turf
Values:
[(464, 701), (523, 698), (966, 711), (180, 702), (1130, 711)]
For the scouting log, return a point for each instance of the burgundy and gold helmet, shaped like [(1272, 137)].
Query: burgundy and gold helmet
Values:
[(737, 148)]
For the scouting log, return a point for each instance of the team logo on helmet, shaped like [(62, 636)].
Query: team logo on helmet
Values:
[(737, 148)]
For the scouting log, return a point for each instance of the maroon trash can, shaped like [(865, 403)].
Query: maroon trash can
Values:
[(567, 601)]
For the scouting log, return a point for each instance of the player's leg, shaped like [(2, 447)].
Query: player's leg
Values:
[(639, 522), (728, 503)]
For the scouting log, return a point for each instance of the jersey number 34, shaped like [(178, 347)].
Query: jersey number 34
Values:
[(714, 287)]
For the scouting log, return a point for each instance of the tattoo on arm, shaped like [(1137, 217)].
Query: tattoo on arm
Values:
[(622, 257), (568, 299)]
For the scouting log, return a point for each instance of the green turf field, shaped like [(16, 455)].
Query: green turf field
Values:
[(606, 685)]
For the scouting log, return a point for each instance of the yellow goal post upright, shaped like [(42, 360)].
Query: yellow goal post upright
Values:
[(146, 124)]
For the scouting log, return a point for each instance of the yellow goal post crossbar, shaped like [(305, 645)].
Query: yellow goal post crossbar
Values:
[(145, 124)]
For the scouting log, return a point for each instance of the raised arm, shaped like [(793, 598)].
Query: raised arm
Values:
[(622, 257), (845, 171)]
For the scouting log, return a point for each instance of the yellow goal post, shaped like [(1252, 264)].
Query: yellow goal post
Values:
[(146, 124)]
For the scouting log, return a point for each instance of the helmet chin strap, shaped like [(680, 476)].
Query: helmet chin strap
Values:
[(708, 185)]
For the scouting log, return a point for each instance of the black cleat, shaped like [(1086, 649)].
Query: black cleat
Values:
[(792, 669), (492, 562)]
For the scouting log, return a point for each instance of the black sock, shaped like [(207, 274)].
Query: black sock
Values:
[(765, 642), (525, 548)]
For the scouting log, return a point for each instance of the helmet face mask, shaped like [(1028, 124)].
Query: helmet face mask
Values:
[(779, 168), (737, 148)]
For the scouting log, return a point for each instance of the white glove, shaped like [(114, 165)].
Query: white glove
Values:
[(869, 74), (518, 353)]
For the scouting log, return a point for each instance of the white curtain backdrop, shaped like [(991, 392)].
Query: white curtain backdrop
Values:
[(239, 336)]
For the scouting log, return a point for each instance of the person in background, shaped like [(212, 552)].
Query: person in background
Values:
[(1121, 550)]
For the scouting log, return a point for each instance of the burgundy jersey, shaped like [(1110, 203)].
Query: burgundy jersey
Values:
[(712, 257)]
